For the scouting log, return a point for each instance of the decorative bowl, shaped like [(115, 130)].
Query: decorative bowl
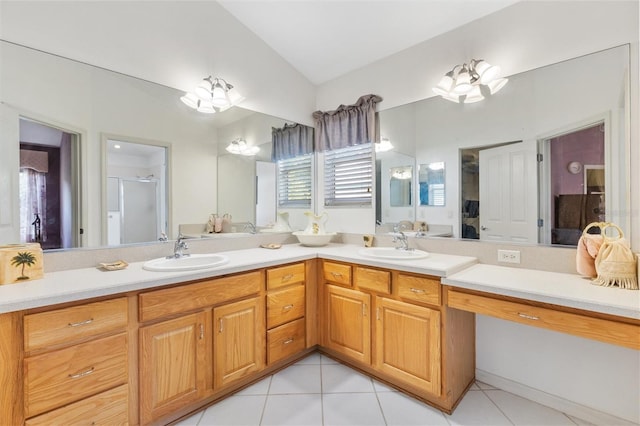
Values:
[(314, 240)]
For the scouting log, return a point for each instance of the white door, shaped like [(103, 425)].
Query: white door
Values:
[(508, 193), (9, 173)]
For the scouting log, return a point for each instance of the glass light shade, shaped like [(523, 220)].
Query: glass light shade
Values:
[(190, 99), (384, 145), (487, 72), (219, 96), (444, 86), (203, 91), (496, 85), (234, 96), (205, 107), (250, 150), (436, 166), (463, 82), (474, 95)]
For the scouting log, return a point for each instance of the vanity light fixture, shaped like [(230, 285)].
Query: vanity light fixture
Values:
[(466, 82), (240, 147), (384, 145), (212, 95)]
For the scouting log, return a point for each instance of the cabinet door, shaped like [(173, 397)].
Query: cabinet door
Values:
[(172, 365), (239, 342), (408, 343), (348, 323)]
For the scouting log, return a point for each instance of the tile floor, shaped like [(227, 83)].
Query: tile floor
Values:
[(320, 391)]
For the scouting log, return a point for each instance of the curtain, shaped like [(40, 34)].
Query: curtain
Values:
[(293, 140), (33, 199), (348, 125)]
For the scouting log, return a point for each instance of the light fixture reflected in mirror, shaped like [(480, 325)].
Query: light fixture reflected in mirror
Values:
[(465, 82), (212, 95), (240, 147), (384, 145), (401, 172)]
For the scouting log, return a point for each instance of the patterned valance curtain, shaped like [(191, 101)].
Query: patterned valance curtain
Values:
[(292, 140), (348, 125)]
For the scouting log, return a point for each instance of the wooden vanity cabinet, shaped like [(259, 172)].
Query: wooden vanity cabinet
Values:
[(286, 310), (75, 365), (173, 365), (394, 326), (239, 335)]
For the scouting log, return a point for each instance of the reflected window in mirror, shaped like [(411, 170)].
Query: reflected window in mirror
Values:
[(400, 189), (295, 182), (431, 184)]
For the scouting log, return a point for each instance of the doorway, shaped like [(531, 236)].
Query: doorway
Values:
[(574, 183), (49, 185), (136, 191)]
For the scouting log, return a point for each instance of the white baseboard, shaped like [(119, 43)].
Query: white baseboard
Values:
[(564, 405)]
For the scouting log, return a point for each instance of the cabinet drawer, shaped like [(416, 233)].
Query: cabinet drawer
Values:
[(285, 340), (59, 377), (420, 289), (162, 303), (73, 324), (107, 408), (372, 279), (618, 333), (285, 305), (285, 275), (337, 273)]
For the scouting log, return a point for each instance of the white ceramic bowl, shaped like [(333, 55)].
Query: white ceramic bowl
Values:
[(314, 240)]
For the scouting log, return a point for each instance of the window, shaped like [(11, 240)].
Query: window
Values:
[(294, 181), (348, 176)]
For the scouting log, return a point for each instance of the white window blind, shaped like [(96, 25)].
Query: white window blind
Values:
[(294, 181), (348, 176), (436, 193)]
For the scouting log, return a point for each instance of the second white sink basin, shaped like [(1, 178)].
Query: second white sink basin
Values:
[(393, 253), (191, 262)]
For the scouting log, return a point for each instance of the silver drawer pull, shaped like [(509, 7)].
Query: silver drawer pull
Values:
[(417, 290), (287, 307), (336, 274), (84, 373), (531, 317), (77, 324), (289, 340), (286, 278)]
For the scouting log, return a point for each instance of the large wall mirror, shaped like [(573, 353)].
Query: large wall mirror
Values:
[(534, 163), (175, 159)]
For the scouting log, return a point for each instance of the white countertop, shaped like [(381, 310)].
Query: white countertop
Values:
[(80, 284), (569, 290)]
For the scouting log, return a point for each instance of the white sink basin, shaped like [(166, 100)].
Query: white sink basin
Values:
[(393, 253), (186, 263)]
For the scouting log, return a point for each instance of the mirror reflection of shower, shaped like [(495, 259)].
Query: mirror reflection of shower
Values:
[(136, 191)]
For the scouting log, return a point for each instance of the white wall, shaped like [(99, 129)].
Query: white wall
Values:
[(521, 37), (175, 43)]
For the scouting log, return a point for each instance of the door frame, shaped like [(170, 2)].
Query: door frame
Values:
[(104, 214), (544, 169), (78, 172)]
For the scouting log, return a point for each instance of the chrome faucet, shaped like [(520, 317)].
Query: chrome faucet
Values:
[(400, 238), (179, 246), (251, 227)]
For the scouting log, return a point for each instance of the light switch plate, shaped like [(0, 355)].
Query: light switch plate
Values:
[(509, 256)]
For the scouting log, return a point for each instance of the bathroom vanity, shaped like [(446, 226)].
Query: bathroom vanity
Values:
[(141, 347)]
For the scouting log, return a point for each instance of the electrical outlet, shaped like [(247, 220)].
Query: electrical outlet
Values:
[(509, 256)]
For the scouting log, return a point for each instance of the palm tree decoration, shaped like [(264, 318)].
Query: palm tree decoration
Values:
[(23, 259)]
